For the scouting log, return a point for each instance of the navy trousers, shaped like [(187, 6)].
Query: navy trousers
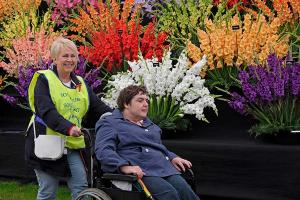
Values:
[(171, 187)]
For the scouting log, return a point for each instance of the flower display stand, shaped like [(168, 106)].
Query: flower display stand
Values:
[(282, 138), (13, 123), (228, 162)]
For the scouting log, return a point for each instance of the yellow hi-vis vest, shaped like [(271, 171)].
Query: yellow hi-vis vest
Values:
[(71, 103)]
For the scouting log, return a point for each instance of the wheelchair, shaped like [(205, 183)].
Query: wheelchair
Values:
[(110, 186)]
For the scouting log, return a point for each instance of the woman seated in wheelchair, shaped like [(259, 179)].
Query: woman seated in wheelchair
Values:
[(128, 142)]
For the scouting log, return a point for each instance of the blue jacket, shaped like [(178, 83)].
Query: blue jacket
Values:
[(120, 142)]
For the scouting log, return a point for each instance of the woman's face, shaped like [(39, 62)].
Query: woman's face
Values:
[(66, 60)]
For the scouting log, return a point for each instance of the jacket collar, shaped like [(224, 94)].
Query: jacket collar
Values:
[(74, 78), (117, 114)]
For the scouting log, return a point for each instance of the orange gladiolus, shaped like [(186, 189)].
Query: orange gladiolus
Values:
[(103, 17), (239, 42), (9, 7)]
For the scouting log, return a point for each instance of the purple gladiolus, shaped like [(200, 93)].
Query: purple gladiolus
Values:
[(269, 83), (90, 76), (26, 74), (270, 94), (11, 100), (278, 87), (274, 63), (238, 103), (295, 79), (244, 76), (96, 84)]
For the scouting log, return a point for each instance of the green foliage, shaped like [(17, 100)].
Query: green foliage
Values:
[(181, 19), (164, 111), (293, 31), (223, 80), (280, 116), (18, 25)]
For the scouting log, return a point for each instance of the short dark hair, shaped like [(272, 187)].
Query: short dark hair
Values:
[(127, 94)]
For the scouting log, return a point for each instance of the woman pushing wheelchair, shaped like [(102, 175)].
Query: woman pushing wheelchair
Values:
[(60, 100)]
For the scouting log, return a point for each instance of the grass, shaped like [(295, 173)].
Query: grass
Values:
[(12, 190)]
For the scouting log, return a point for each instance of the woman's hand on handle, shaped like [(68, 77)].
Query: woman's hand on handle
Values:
[(75, 131)]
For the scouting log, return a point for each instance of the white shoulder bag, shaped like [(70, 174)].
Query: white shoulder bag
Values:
[(48, 147)]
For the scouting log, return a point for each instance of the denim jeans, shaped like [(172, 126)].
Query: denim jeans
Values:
[(48, 184), (172, 187)]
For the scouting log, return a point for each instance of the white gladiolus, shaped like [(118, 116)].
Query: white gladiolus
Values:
[(182, 84), (197, 66), (119, 82)]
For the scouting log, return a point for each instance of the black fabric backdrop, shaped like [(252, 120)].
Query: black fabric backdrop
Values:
[(227, 161)]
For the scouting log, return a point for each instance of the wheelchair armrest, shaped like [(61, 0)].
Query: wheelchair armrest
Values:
[(189, 176), (188, 173), (119, 177)]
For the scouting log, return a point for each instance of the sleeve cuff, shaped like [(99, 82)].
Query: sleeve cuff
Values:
[(121, 165), (172, 155)]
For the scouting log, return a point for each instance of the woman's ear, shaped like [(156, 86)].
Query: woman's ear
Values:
[(52, 66)]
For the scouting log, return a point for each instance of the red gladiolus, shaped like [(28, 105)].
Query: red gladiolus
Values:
[(152, 44), (118, 44), (231, 3)]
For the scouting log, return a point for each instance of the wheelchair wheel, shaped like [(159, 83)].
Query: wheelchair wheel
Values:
[(92, 193)]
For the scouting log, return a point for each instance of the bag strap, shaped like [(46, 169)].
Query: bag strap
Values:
[(39, 120), (34, 131)]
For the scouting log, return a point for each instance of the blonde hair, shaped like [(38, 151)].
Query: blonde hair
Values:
[(60, 43)]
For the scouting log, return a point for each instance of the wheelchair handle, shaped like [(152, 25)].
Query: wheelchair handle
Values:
[(87, 133)]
